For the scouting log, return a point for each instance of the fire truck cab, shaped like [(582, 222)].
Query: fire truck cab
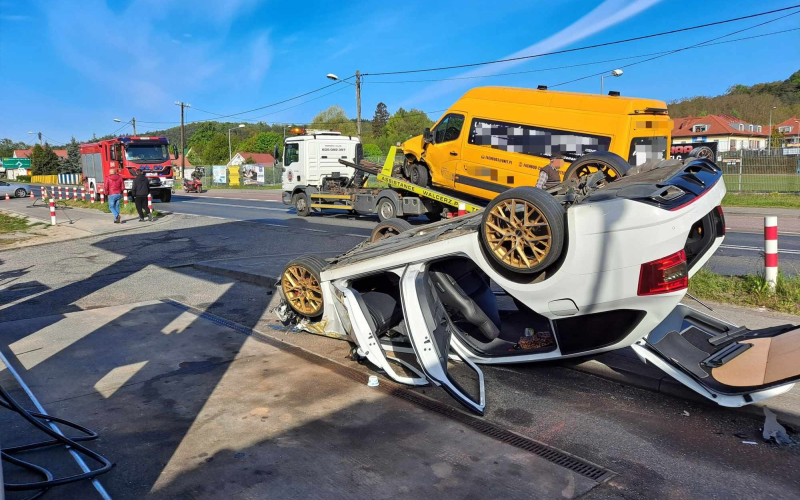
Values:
[(128, 155)]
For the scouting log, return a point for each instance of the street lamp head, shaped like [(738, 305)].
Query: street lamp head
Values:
[(616, 72), (241, 125), (117, 120), (331, 76), (30, 132)]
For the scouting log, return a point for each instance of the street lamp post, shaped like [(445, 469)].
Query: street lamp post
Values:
[(40, 136), (616, 72), (132, 122), (769, 140), (357, 85), (230, 153)]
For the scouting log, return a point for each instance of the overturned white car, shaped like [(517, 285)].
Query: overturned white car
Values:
[(586, 267)]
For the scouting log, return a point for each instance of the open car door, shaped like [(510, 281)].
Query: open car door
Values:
[(430, 329), (730, 365)]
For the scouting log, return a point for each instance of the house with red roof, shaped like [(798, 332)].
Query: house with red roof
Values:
[(790, 129), (265, 159), (729, 132)]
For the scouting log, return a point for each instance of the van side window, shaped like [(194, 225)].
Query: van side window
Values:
[(291, 153), (534, 141), (448, 129)]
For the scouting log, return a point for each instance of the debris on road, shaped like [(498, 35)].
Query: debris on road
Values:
[(685, 413), (773, 430)]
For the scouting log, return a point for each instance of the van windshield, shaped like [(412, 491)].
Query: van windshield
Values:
[(147, 153), (647, 148)]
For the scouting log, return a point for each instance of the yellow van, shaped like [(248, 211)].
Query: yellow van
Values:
[(497, 138)]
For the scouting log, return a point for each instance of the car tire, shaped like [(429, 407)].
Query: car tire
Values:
[(613, 166), (434, 216), (389, 228), (166, 196), (419, 175), (20, 193), (525, 218), (386, 209), (301, 204), (702, 152), (301, 285)]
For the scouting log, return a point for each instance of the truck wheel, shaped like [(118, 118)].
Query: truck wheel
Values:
[(523, 230), (301, 285), (612, 165), (166, 196), (419, 174), (386, 209), (389, 227), (301, 204)]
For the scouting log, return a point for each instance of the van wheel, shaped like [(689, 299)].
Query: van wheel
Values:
[(386, 209), (523, 230), (419, 175), (389, 227), (612, 165), (301, 285), (301, 204)]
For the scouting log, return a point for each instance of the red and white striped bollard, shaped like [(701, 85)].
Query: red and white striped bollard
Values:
[(91, 195), (83, 193), (102, 196), (771, 251), (125, 198), (44, 194), (149, 202), (52, 212), (462, 209)]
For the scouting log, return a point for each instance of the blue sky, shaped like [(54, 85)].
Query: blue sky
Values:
[(70, 67)]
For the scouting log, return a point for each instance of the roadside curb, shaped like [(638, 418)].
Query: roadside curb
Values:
[(90, 235), (791, 213)]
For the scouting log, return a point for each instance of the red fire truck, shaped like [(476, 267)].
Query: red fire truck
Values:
[(127, 155)]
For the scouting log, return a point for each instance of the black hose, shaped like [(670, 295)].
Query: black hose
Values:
[(6, 401)]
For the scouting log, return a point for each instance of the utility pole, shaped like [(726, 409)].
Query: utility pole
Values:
[(133, 122), (769, 140), (183, 135), (358, 103)]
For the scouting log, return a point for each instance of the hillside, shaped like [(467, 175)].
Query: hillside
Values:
[(751, 104)]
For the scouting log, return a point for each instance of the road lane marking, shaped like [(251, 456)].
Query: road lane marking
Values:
[(780, 233), (237, 206), (758, 249)]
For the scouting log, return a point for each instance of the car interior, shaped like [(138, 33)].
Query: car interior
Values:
[(485, 317)]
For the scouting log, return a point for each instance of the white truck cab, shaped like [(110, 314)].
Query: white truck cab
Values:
[(311, 163)]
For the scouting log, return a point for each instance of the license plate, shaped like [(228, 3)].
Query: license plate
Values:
[(151, 175)]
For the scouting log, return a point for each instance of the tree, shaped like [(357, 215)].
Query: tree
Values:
[(7, 147), (777, 138), (334, 118), (379, 120), (406, 124), (372, 151), (44, 161), (72, 164), (215, 151), (263, 142), (200, 137)]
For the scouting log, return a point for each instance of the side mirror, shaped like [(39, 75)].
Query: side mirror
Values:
[(427, 137), (175, 151), (276, 153)]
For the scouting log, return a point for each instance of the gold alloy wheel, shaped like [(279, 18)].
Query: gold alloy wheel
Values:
[(302, 290), (518, 233), (384, 233), (590, 168)]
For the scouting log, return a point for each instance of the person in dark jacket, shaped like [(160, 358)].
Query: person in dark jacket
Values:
[(141, 188)]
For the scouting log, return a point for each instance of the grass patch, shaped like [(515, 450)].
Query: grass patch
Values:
[(103, 207), (749, 290), (773, 200), (10, 224)]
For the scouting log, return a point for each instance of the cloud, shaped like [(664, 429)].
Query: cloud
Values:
[(260, 57), (605, 15)]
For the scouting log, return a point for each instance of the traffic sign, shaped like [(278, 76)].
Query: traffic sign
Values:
[(14, 163)]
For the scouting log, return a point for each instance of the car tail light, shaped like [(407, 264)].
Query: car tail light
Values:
[(664, 275), (721, 228)]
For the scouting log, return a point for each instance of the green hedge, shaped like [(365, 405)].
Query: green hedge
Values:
[(23, 178)]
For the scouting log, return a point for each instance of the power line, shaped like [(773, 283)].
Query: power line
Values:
[(539, 70), (585, 47), (697, 45)]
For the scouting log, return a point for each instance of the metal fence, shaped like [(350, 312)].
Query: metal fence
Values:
[(757, 171), (249, 176)]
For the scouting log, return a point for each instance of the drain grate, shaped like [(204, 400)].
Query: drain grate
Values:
[(558, 457)]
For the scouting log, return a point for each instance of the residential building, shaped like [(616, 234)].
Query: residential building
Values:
[(790, 129), (25, 153), (261, 158), (729, 132)]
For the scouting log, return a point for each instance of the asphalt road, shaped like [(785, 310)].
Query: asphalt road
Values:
[(660, 446), (741, 253)]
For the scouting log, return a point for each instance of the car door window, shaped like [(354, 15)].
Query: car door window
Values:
[(448, 129)]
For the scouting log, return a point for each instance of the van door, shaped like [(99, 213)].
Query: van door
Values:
[(730, 365), (443, 154), (430, 329)]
